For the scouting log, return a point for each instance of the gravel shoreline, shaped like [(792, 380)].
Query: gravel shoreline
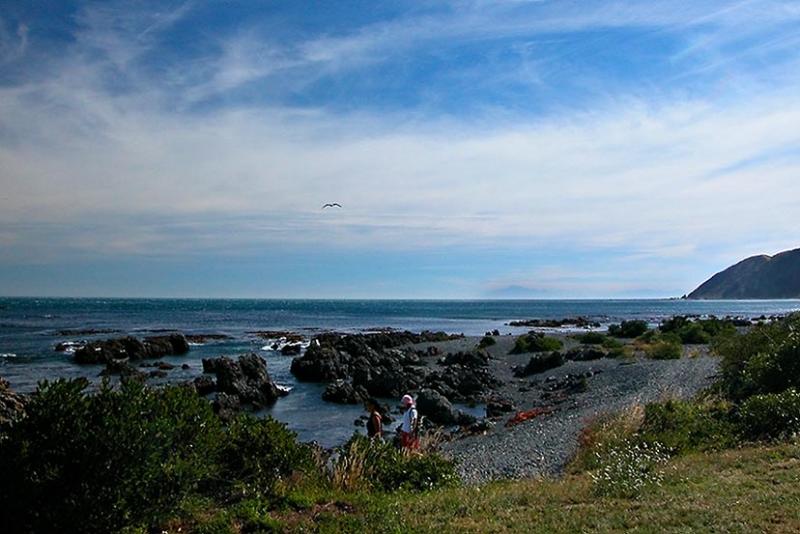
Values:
[(543, 446)]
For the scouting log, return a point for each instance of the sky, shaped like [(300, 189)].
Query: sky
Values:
[(480, 149)]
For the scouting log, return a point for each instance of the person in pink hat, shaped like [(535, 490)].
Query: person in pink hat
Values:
[(409, 431)]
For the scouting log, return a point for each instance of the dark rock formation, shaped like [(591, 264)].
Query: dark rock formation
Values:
[(344, 392), (123, 369), (585, 353), (247, 379), (758, 277), (132, 348), (497, 406), (226, 406), (12, 405), (292, 349), (205, 338), (539, 363), (435, 406), (376, 363), (204, 384)]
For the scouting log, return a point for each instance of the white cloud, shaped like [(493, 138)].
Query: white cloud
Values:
[(123, 172)]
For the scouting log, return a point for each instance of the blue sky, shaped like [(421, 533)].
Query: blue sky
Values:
[(481, 149)]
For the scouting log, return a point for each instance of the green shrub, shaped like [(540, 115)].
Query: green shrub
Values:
[(258, 453), (486, 341), (628, 329), (770, 416), (592, 338), (694, 334), (664, 349), (764, 360), (384, 467), (536, 342), (686, 426), (698, 331), (95, 463)]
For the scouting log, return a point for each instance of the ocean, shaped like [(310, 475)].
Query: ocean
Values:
[(30, 328)]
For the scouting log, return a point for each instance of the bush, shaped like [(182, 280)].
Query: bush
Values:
[(592, 338), (629, 468), (686, 426), (259, 453), (95, 463), (536, 342), (698, 331), (664, 349), (764, 360), (486, 341), (770, 416), (628, 329), (363, 463)]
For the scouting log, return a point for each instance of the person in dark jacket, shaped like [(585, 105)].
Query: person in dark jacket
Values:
[(375, 421)]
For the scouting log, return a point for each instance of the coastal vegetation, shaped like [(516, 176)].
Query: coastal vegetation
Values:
[(135, 458), (536, 342)]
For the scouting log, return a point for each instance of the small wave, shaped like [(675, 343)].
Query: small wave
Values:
[(278, 344), (7, 355), (195, 344)]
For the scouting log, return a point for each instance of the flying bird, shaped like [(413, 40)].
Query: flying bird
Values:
[(331, 205)]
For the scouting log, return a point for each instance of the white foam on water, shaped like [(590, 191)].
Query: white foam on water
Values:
[(7, 355)]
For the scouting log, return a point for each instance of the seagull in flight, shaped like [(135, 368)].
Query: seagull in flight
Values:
[(331, 205)]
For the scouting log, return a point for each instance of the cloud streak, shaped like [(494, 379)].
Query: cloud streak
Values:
[(184, 160)]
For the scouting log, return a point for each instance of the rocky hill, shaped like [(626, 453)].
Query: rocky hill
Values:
[(758, 277)]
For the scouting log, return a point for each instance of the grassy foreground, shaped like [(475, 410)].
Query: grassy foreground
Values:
[(755, 489)]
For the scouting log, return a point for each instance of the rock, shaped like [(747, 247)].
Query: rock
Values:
[(439, 410), (539, 363), (123, 368), (186, 366), (247, 379), (384, 369), (204, 385), (157, 373), (12, 405), (585, 353), (164, 366), (131, 348), (498, 406), (226, 406), (343, 392), (292, 349), (205, 338), (475, 358)]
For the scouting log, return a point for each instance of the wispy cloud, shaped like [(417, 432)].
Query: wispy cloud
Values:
[(226, 150)]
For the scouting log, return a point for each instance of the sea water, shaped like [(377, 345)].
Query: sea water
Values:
[(30, 329)]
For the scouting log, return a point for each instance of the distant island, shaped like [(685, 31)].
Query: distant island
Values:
[(757, 277)]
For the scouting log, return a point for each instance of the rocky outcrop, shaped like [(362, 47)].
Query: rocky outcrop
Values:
[(131, 348), (344, 392), (583, 353), (364, 360), (12, 405), (246, 378), (577, 322), (539, 363), (435, 406)]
